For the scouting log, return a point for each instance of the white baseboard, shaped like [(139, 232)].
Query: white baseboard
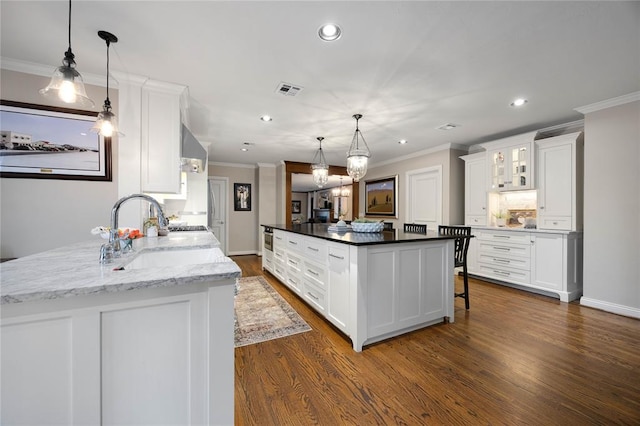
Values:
[(241, 253), (614, 308)]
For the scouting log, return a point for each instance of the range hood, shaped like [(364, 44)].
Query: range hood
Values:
[(194, 156)]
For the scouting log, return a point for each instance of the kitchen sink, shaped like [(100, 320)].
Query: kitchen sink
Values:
[(160, 258)]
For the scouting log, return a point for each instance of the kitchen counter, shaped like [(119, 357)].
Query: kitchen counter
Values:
[(85, 343), (74, 270), (371, 286), (320, 230)]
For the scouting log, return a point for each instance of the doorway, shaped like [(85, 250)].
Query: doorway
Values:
[(217, 218)]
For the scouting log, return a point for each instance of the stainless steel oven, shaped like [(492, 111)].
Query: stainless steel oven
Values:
[(268, 238)]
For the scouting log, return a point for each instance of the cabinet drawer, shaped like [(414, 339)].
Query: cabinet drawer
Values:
[(294, 242), (279, 271), (279, 256), (315, 273), (555, 222), (279, 239), (316, 296), (505, 262), (294, 282), (504, 250), (338, 256), (268, 263), (476, 220), (515, 237), (315, 249), (504, 274), (294, 264)]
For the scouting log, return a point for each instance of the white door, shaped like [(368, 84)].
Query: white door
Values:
[(218, 210), (424, 197)]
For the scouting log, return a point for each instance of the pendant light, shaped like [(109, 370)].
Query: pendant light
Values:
[(107, 122), (66, 83), (341, 191), (358, 155), (320, 168)]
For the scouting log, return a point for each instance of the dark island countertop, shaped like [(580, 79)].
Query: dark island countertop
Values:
[(320, 230)]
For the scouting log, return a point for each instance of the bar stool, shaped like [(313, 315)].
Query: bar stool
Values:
[(415, 228), (460, 254)]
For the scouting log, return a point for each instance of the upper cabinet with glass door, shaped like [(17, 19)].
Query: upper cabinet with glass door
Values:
[(511, 163)]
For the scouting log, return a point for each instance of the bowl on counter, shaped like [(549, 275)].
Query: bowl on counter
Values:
[(367, 226)]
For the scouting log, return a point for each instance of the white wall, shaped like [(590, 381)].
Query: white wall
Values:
[(452, 183), (42, 214), (612, 209), (243, 227)]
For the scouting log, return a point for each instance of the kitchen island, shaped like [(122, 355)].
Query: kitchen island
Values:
[(371, 286), (131, 342)]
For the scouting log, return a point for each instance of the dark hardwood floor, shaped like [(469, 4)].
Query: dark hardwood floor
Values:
[(514, 358)]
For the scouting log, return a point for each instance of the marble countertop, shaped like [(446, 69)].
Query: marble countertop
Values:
[(320, 230), (74, 270)]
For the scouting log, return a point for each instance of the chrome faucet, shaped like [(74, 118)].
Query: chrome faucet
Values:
[(112, 249)]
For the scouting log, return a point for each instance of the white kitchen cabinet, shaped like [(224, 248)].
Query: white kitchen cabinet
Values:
[(369, 292), (560, 186), (160, 121), (510, 163), (475, 183), (338, 270), (557, 264), (145, 357), (540, 261), (504, 255)]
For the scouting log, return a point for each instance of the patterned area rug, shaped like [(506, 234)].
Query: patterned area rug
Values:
[(262, 314)]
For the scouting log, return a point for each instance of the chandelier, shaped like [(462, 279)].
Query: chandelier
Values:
[(358, 155), (319, 167), (341, 191)]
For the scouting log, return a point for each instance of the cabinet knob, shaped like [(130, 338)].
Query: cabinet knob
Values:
[(541, 207)]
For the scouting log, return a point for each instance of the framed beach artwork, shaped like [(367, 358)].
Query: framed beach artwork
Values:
[(44, 142), (242, 197), (381, 197)]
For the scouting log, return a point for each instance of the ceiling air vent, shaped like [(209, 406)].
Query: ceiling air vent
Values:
[(448, 126), (288, 89)]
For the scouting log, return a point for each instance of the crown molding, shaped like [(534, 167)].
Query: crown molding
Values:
[(609, 103), (237, 165), (421, 153), (46, 70), (267, 165)]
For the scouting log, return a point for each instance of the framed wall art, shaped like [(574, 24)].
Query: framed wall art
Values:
[(381, 197), (296, 206), (242, 197), (44, 142)]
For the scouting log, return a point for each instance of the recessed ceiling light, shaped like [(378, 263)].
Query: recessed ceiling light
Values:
[(518, 102), (244, 149), (402, 141), (448, 126), (266, 118), (329, 32)]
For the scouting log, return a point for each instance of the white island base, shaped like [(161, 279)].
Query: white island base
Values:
[(140, 357), (91, 344), (371, 287)]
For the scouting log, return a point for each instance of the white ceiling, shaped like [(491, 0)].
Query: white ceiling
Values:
[(408, 67)]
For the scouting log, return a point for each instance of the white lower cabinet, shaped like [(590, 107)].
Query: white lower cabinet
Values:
[(338, 268), (370, 293), (549, 271), (542, 261), (294, 271), (267, 260), (145, 357)]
